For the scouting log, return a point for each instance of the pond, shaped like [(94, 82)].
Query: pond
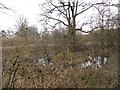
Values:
[(44, 61), (93, 62)]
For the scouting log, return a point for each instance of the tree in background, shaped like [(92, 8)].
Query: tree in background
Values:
[(33, 32), (66, 13), (22, 26), (24, 30), (106, 28)]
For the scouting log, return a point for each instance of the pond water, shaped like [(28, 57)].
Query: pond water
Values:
[(44, 61), (96, 62), (93, 62)]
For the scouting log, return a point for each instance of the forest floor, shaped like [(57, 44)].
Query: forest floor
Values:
[(21, 70)]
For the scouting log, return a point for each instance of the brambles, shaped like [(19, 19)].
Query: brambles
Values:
[(64, 72)]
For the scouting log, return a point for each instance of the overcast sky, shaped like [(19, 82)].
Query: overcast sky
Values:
[(27, 8)]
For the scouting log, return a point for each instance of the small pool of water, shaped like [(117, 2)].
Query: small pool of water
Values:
[(96, 62)]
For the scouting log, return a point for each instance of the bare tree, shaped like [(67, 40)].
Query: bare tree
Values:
[(22, 26), (66, 13), (105, 17)]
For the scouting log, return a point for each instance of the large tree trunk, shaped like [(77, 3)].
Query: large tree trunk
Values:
[(102, 45), (72, 40)]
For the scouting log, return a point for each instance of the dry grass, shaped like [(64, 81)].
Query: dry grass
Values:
[(63, 73)]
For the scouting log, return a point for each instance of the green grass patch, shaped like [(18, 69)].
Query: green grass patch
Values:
[(63, 56)]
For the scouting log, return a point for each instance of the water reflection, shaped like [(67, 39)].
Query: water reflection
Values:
[(94, 62), (44, 61)]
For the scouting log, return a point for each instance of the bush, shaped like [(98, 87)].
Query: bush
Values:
[(63, 56)]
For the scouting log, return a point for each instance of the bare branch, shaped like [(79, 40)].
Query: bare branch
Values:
[(54, 26), (88, 8), (86, 31), (84, 10), (49, 17), (2, 6), (59, 9), (76, 7)]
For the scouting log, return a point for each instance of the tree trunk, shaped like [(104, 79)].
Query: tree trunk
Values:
[(102, 45), (72, 41)]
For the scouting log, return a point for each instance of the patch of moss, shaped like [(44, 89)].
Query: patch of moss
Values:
[(63, 56)]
